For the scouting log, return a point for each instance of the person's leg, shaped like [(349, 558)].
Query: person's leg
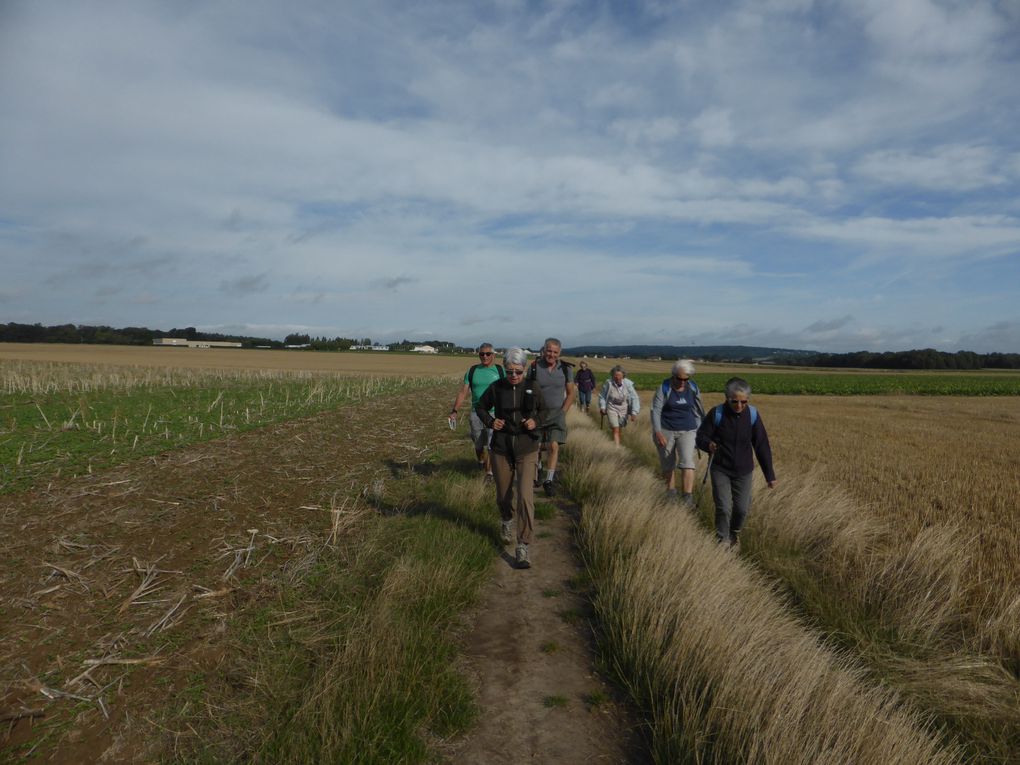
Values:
[(685, 462), (723, 497), (667, 460), (480, 436), (741, 489), (554, 456), (524, 507), (503, 473)]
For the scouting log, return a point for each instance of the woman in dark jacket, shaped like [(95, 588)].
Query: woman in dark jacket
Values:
[(517, 411), (731, 432), (585, 381)]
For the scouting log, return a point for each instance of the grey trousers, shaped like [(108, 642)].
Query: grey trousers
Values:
[(732, 498)]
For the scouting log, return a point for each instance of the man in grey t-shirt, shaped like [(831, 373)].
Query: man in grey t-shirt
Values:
[(555, 379)]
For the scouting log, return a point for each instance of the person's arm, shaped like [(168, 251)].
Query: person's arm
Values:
[(464, 393), (603, 395), (706, 432), (571, 387), (763, 451), (658, 401), (485, 403), (633, 400)]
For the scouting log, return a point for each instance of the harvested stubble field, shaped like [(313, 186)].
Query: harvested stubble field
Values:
[(895, 531), (883, 569)]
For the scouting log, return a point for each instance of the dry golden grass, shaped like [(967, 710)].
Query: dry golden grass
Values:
[(709, 647), (881, 528)]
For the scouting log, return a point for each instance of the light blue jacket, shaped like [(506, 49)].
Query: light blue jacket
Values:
[(633, 402)]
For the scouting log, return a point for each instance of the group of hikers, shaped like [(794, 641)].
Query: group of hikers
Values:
[(518, 420)]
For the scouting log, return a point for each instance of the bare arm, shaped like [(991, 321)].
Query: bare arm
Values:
[(464, 392)]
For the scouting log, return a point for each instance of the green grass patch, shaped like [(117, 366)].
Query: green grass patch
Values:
[(595, 699), (855, 384), (551, 593), (67, 431), (549, 647), (369, 678), (555, 702), (545, 511)]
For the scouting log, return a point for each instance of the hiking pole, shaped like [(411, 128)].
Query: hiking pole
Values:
[(704, 480), (602, 426)]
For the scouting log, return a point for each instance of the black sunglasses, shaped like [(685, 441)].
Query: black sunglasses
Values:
[(484, 353), (514, 372), (738, 402)]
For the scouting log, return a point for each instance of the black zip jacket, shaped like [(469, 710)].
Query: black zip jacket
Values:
[(514, 403), (736, 438)]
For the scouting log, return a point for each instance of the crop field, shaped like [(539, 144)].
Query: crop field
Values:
[(67, 419), (895, 531), (198, 554)]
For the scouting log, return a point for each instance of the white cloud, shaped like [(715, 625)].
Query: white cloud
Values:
[(953, 168)]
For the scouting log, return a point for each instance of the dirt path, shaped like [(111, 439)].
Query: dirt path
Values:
[(208, 527), (530, 654)]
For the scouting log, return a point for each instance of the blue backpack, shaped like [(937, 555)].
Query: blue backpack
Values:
[(717, 414)]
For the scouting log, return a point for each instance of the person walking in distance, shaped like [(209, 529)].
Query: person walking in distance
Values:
[(555, 378), (619, 401), (476, 381), (677, 412), (586, 384), (731, 432), (513, 409)]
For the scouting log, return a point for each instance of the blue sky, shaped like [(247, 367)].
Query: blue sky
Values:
[(836, 175)]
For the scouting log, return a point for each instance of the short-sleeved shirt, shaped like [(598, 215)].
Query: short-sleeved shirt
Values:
[(552, 383), (481, 380)]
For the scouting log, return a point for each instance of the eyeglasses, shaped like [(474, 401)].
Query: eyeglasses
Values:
[(484, 353), (739, 402), (514, 372), (683, 379)]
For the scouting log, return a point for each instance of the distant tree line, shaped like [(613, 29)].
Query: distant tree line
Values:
[(102, 335), (926, 358)]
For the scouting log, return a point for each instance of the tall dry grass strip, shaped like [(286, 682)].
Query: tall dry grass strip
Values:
[(707, 646), (905, 599)]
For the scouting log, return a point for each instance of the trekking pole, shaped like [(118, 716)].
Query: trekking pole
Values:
[(704, 480), (602, 425)]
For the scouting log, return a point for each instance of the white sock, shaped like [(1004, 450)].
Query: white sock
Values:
[(550, 474)]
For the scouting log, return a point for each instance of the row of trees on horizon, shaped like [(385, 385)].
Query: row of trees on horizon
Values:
[(927, 358)]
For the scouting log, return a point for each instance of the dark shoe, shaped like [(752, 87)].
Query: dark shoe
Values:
[(550, 489)]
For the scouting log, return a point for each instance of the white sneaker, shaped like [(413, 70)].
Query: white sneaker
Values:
[(522, 557), (507, 531)]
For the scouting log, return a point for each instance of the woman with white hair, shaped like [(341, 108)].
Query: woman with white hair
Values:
[(514, 409), (731, 433), (618, 401), (677, 412)]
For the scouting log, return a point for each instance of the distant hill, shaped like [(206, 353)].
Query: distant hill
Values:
[(704, 352)]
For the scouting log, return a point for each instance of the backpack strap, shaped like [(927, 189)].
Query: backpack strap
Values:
[(717, 414), (501, 372), (665, 389), (471, 374)]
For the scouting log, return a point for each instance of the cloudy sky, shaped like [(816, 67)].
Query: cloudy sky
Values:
[(833, 174)]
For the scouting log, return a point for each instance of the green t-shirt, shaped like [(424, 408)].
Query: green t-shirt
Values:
[(481, 380)]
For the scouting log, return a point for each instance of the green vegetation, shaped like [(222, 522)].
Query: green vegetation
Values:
[(365, 675), (857, 384), (555, 702), (51, 426)]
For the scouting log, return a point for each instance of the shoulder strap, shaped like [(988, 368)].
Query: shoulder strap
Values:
[(665, 389), (471, 374), (501, 372), (717, 414), (694, 387), (565, 367)]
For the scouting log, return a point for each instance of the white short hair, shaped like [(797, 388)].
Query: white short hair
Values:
[(515, 356), (683, 365)]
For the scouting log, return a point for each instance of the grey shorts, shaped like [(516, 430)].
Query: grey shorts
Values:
[(480, 435), (678, 451), (555, 428)]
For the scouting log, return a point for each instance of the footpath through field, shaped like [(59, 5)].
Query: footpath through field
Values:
[(119, 589)]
